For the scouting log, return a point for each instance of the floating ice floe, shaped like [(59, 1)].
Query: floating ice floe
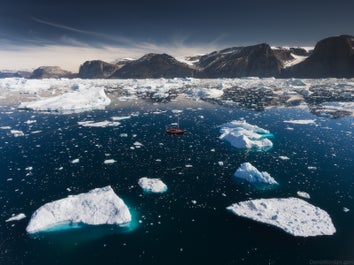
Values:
[(241, 134), (96, 207), (345, 209), (303, 194), (17, 133), (83, 99), (109, 161), (284, 157), (102, 124), (153, 185), (75, 161), (295, 216), (248, 172), (119, 118), (17, 217), (303, 122)]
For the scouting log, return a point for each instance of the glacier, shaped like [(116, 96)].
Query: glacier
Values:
[(294, 216), (241, 134), (96, 207), (152, 185), (250, 173)]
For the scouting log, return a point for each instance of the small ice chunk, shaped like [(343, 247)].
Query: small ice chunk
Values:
[(241, 134), (30, 121), (295, 216), (284, 157), (119, 118), (248, 172), (345, 209), (220, 163), (75, 161), (303, 122), (303, 194), (188, 166), (17, 133), (153, 185), (16, 217), (5, 127), (109, 161), (96, 207)]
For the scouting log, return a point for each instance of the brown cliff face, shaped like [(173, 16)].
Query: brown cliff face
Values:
[(97, 69), (258, 60), (50, 72), (332, 57), (155, 66)]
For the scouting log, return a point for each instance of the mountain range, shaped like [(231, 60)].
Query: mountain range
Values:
[(331, 57)]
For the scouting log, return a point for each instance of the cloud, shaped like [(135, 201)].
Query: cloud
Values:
[(112, 38)]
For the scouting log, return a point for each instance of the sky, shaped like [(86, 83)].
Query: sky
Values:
[(68, 32)]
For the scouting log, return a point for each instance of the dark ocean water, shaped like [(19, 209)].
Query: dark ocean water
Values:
[(189, 224)]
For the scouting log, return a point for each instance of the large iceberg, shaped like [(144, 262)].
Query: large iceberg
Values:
[(241, 134), (248, 172), (96, 207), (153, 185), (83, 99), (295, 216)]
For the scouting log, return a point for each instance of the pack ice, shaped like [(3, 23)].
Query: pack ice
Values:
[(248, 172), (82, 99), (295, 216), (241, 134), (153, 185), (96, 207)]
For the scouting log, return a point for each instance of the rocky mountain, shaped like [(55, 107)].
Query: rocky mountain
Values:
[(258, 60), (50, 72), (155, 65), (332, 57), (8, 74), (97, 69)]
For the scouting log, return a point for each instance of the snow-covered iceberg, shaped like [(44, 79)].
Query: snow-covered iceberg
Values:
[(250, 173), (96, 207), (295, 216), (241, 134), (83, 99), (153, 185)]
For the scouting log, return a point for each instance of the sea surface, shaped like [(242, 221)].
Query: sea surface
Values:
[(189, 224)]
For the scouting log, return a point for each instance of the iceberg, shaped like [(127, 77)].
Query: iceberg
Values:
[(96, 207), (80, 100), (248, 172), (153, 185), (241, 134), (294, 216)]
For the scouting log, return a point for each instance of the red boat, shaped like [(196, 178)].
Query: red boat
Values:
[(175, 131)]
